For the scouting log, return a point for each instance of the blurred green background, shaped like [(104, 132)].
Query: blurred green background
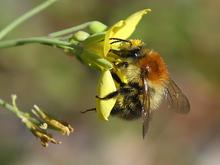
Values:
[(185, 32)]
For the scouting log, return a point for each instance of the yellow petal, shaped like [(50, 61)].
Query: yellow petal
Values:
[(129, 25), (123, 29), (94, 43), (105, 86), (110, 34)]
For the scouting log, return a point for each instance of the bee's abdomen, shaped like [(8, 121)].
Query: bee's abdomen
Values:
[(127, 114), (127, 107)]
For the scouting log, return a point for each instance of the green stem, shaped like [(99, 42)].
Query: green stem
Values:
[(71, 30), (40, 40), (13, 108), (7, 106), (24, 17)]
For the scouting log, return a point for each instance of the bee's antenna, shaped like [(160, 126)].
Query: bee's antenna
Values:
[(120, 40)]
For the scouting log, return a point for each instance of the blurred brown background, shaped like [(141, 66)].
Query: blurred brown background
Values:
[(185, 32)]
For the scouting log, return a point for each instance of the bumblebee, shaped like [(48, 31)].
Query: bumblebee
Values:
[(143, 81)]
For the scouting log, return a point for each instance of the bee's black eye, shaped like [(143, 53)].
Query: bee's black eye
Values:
[(135, 53)]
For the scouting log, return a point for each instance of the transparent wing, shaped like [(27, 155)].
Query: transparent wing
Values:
[(145, 108), (176, 99)]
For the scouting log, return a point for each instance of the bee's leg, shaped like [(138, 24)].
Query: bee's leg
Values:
[(121, 53), (109, 96), (88, 110), (117, 79), (136, 86), (122, 91), (122, 64)]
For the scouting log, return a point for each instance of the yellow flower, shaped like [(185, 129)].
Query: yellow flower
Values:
[(122, 29), (105, 86)]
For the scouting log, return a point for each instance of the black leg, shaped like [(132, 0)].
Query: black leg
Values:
[(122, 64), (109, 96), (122, 91), (117, 79), (88, 110), (120, 53)]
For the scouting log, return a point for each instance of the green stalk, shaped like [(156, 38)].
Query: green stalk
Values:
[(25, 117), (7, 106), (70, 30), (40, 40), (24, 17), (92, 26)]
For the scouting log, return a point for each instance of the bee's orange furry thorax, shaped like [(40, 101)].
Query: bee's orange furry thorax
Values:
[(155, 66)]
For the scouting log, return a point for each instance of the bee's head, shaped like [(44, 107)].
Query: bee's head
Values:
[(133, 49), (135, 53)]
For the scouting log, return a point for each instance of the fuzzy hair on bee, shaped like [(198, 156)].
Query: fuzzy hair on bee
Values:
[(148, 83), (137, 60), (143, 81)]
